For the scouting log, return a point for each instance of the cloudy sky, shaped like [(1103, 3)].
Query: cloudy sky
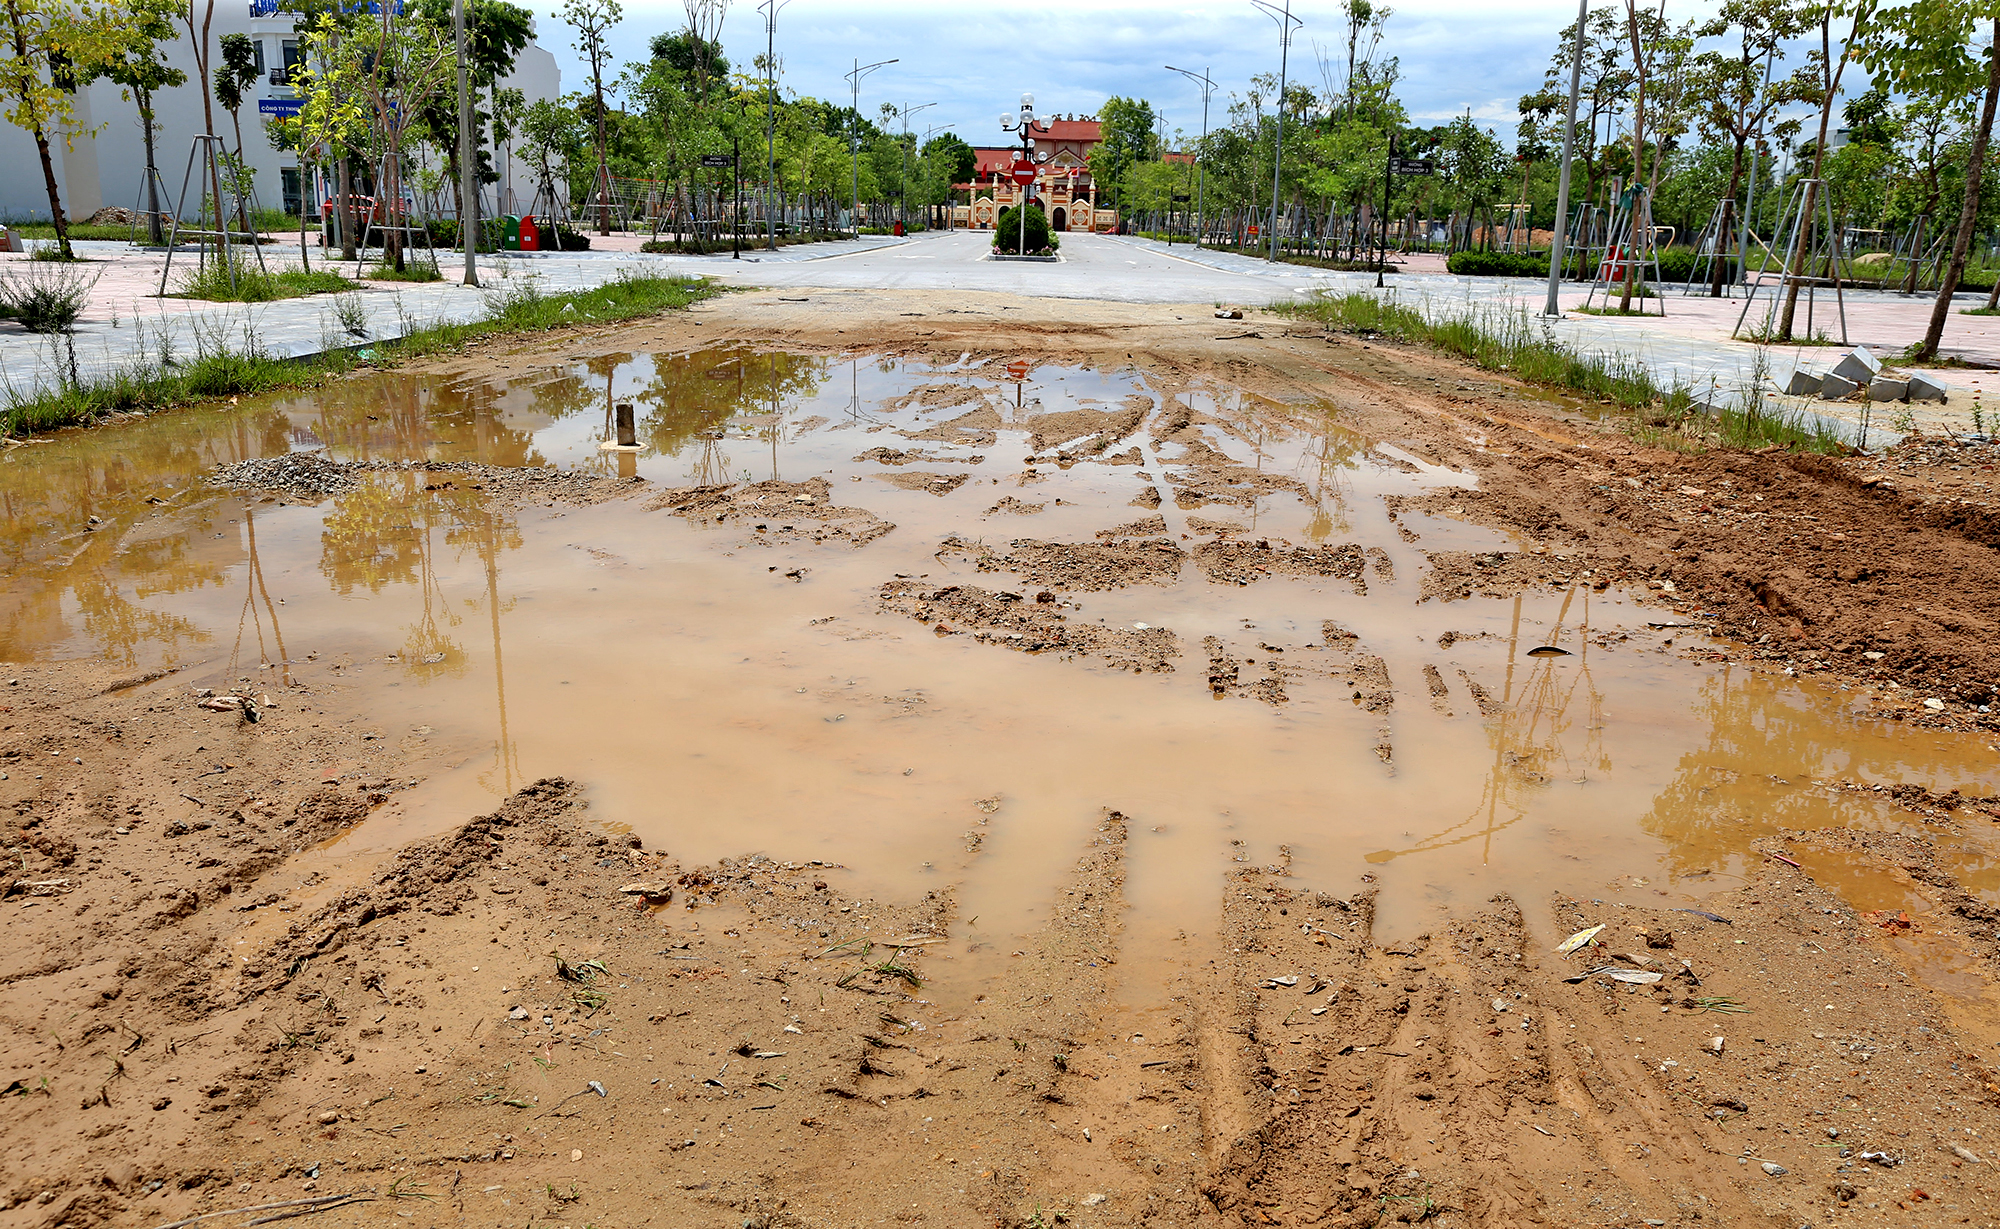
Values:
[(974, 60)]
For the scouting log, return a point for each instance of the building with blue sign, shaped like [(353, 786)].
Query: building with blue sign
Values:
[(108, 168)]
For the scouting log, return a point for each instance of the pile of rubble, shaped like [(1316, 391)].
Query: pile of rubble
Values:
[(306, 475)]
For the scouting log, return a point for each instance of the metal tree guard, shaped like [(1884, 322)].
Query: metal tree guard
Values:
[(211, 143), (1821, 243)]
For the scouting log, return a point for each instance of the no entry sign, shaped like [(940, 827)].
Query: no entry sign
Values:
[(1022, 172)]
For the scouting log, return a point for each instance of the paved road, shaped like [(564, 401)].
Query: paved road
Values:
[(125, 325)]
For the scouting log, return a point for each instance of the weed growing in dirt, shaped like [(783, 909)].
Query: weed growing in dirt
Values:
[(1500, 339), (236, 280), (162, 381)]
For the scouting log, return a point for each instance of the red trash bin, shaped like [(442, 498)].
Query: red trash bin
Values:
[(531, 235)]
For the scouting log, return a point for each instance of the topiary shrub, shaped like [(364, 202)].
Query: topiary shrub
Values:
[(1007, 233)]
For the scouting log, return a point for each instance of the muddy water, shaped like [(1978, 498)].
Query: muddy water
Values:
[(722, 694)]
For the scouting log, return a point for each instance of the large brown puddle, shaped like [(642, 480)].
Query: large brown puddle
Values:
[(722, 692)]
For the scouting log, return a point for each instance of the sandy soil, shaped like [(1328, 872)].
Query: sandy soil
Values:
[(533, 1020)]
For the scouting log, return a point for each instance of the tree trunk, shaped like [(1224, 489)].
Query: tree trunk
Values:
[(242, 206), (1638, 154), (1968, 217), (1728, 222), (154, 231), (346, 209), (42, 143)]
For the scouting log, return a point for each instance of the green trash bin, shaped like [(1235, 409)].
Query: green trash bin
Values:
[(510, 233)]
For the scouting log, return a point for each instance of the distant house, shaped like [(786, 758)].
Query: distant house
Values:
[(1064, 186)]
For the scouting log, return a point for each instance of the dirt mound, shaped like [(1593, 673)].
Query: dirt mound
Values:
[(1205, 476), (1015, 507), (1086, 432), (1240, 563), (1079, 567), (1455, 575), (977, 428), (775, 511), (1144, 527), (1011, 621), (929, 483), (897, 456), (113, 215)]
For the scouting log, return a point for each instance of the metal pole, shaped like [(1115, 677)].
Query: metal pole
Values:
[(468, 170), (736, 223), (771, 8), (1558, 231), (1750, 191), (1388, 170), (854, 137), (1201, 159), (1285, 20)]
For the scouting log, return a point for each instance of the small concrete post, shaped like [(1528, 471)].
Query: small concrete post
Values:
[(628, 436)]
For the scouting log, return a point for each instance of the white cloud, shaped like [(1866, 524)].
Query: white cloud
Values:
[(974, 61)]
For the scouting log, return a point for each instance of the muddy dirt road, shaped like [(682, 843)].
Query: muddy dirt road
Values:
[(990, 762)]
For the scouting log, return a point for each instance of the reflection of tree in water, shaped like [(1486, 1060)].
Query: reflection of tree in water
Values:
[(690, 398), (1528, 737), (60, 584), (1327, 469), (1766, 743)]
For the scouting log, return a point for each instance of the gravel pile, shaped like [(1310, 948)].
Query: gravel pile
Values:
[(306, 475)]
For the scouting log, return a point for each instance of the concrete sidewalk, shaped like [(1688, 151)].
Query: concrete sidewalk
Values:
[(127, 322)]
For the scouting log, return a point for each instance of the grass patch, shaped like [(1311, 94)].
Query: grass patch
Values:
[(162, 380), (237, 280), (412, 271), (1614, 311), (1979, 311), (1499, 339)]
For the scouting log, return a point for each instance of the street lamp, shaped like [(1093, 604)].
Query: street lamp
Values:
[(1027, 124), (854, 132), (1283, 16), (1560, 230), (770, 10), (903, 193), (1200, 161)]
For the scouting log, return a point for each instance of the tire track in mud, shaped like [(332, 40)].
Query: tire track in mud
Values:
[(1402, 1082)]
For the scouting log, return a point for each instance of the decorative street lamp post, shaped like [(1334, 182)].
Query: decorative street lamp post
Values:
[(1201, 159), (1028, 124), (854, 135), (1283, 16)]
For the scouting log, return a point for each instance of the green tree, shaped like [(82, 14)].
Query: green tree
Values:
[(1126, 137), (1927, 47), (592, 20), (55, 44), (237, 73), (1734, 99), (140, 68)]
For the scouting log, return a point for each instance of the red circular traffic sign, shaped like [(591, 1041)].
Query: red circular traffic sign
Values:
[(1023, 172)]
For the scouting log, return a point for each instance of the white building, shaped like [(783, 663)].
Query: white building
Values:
[(108, 168)]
